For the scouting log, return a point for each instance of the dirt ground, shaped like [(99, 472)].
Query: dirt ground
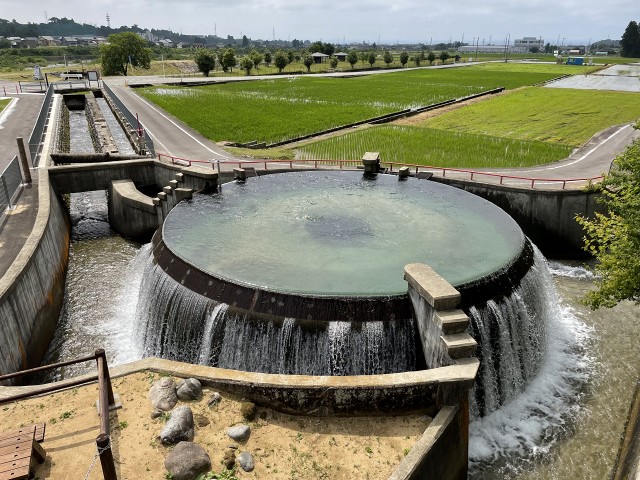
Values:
[(283, 446)]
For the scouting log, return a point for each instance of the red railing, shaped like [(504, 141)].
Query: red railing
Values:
[(501, 178)]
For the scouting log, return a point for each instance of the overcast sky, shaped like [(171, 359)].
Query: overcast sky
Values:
[(387, 21)]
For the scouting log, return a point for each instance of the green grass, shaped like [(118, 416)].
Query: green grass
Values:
[(528, 127), (425, 146), (563, 116), (3, 103), (275, 110)]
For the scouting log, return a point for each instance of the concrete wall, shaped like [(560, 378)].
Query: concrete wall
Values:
[(32, 290), (547, 217), (131, 213), (98, 176), (443, 327), (442, 451)]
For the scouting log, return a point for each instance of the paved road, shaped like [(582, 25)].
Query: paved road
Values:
[(170, 135), (17, 120)]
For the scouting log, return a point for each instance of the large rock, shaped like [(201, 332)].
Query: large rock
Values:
[(186, 461), (163, 394), (179, 427), (189, 389), (239, 433), (245, 459)]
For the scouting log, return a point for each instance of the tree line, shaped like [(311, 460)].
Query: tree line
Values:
[(207, 60)]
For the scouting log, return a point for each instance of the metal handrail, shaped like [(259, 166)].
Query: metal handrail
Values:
[(349, 164), (106, 400), (39, 128)]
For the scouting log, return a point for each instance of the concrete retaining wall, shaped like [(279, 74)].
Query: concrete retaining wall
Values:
[(547, 217), (131, 213), (32, 290), (442, 451)]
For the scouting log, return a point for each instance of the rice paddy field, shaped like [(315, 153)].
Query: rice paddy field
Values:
[(562, 116), (427, 146), (528, 127), (275, 110)]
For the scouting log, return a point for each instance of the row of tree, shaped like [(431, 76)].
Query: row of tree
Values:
[(630, 41), (206, 60)]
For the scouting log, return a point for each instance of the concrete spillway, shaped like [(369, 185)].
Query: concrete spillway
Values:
[(301, 273)]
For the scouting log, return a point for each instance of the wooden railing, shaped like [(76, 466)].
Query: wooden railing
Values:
[(106, 400)]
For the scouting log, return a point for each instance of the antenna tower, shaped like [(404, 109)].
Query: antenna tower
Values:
[(108, 21)]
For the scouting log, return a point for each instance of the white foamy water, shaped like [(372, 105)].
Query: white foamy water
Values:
[(558, 269), (120, 328), (531, 424)]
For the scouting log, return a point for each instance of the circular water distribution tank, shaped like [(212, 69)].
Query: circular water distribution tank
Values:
[(333, 245)]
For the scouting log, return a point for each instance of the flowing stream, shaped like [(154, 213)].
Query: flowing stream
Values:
[(570, 436)]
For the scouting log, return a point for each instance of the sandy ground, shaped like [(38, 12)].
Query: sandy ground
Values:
[(283, 446)]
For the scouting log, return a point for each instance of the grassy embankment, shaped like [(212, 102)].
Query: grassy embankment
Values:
[(529, 127)]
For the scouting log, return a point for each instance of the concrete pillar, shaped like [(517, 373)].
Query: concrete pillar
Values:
[(371, 162), (403, 174), (240, 174), (24, 162)]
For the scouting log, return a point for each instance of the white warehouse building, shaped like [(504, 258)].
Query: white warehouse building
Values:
[(522, 45)]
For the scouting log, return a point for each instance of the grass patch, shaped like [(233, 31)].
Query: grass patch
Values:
[(276, 110), (263, 154), (3, 103), (426, 146), (562, 116)]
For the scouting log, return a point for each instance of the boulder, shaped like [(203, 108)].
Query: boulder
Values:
[(186, 461), (189, 389), (245, 459), (239, 433), (163, 394), (179, 427)]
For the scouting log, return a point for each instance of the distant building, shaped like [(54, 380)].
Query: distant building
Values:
[(341, 56), (148, 36), (29, 42), (319, 57), (525, 44), (49, 41), (69, 41)]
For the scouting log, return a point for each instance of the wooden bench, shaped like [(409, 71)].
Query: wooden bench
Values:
[(19, 450)]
